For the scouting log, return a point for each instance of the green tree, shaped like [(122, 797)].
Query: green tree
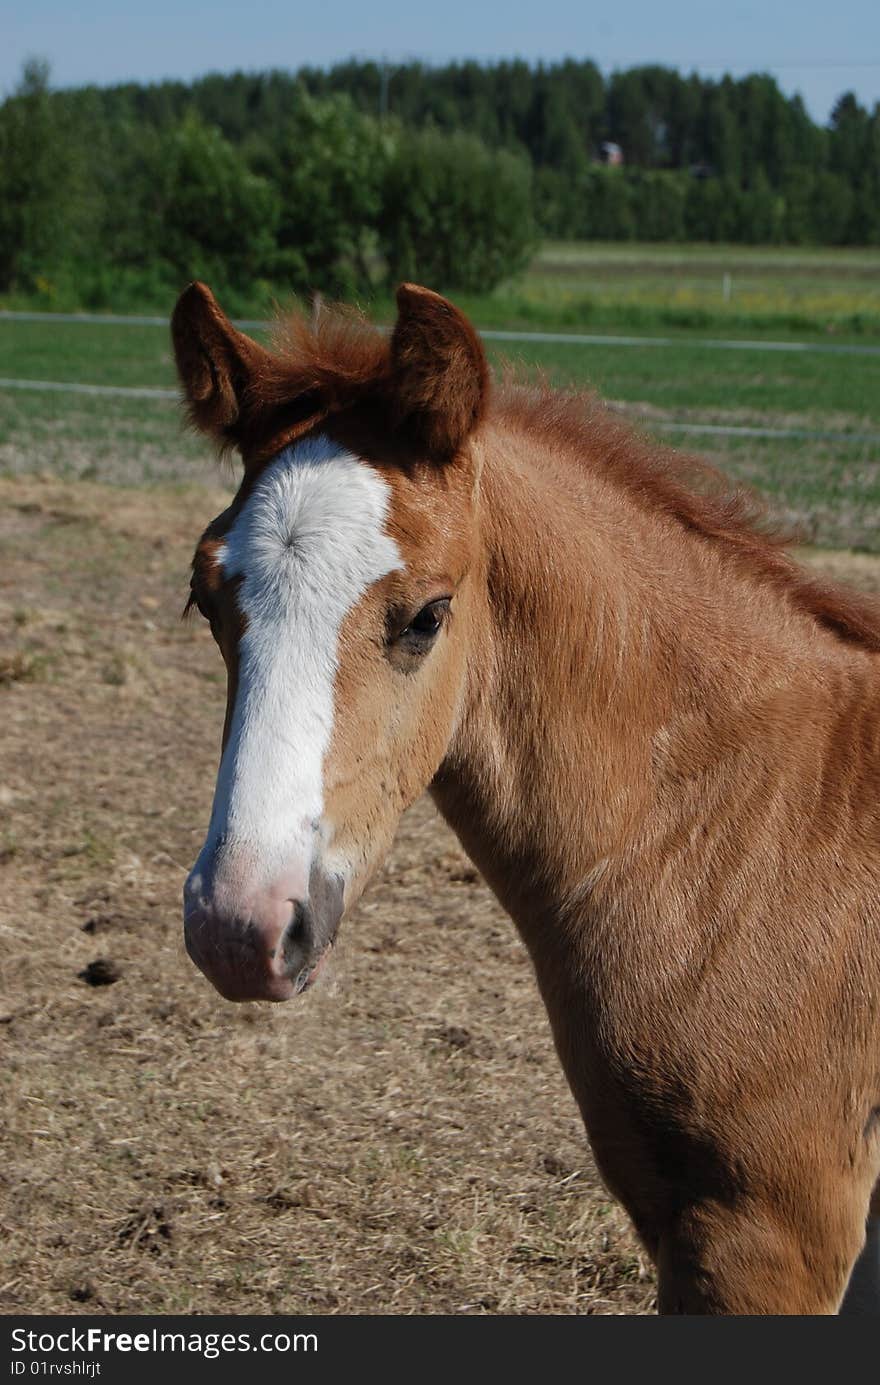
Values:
[(201, 209), (854, 146), (33, 180), (558, 199), (721, 143), (609, 205), (455, 215), (631, 118), (830, 208), (762, 213), (848, 136), (328, 166), (658, 205), (714, 210)]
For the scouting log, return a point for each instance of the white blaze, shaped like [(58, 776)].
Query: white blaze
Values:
[(307, 543)]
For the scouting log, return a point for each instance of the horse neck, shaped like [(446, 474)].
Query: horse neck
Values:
[(614, 656)]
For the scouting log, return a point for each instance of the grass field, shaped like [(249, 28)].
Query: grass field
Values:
[(735, 289), (733, 286), (401, 1139), (829, 487)]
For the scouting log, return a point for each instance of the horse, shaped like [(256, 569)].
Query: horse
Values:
[(654, 733)]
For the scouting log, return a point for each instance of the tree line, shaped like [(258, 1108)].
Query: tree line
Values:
[(334, 180)]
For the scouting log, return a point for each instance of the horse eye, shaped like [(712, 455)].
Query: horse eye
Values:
[(205, 611), (426, 625)]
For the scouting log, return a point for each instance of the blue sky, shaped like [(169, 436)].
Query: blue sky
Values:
[(812, 46)]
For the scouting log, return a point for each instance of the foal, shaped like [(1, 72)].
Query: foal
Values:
[(656, 736)]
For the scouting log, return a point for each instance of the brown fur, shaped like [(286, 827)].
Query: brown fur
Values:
[(659, 739), (693, 493), (260, 401)]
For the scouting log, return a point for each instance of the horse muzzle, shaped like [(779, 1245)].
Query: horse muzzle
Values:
[(267, 946)]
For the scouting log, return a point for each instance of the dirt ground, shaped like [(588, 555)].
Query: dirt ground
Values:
[(400, 1140)]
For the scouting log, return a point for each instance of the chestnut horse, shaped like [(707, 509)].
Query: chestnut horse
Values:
[(656, 736)]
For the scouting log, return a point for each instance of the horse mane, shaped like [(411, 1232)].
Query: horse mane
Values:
[(340, 354), (693, 493), (337, 351)]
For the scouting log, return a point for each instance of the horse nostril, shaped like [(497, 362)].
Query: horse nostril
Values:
[(297, 938)]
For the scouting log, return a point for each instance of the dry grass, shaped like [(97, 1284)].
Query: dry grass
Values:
[(401, 1140)]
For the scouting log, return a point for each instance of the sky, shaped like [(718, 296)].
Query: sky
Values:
[(814, 47)]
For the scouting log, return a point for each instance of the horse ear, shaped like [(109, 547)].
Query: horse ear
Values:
[(216, 363), (440, 376)]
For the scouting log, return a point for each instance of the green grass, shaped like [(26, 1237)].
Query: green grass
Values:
[(681, 376), (810, 391), (783, 291), (830, 487), (97, 355)]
